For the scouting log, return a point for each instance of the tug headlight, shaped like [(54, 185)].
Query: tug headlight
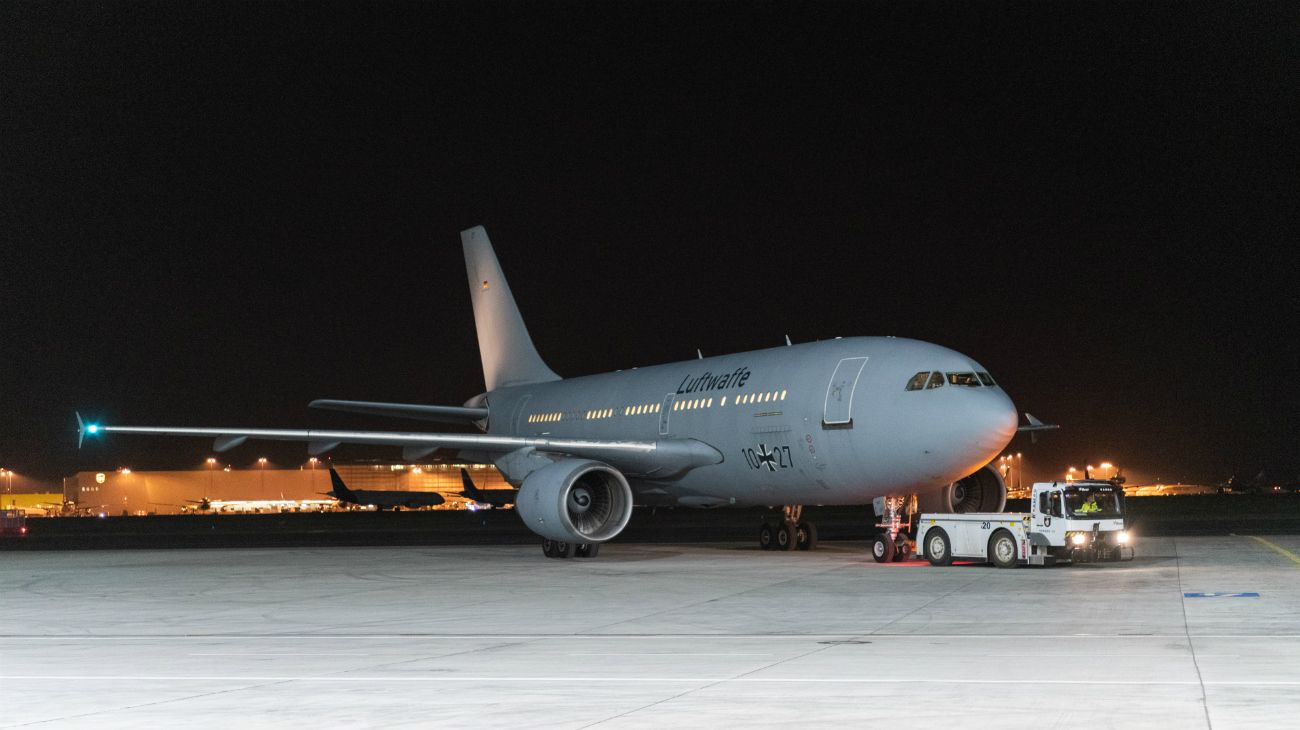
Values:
[(1121, 537), (1078, 538)]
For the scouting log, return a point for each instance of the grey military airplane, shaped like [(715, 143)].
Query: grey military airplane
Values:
[(381, 498), (848, 421)]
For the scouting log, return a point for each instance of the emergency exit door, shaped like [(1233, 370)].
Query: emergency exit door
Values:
[(838, 408)]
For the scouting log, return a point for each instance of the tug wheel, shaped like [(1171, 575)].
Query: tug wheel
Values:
[(938, 548)]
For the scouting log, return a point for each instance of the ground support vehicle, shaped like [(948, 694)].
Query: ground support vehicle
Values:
[(1081, 521)]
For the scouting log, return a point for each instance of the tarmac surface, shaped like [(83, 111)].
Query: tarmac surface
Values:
[(648, 636)]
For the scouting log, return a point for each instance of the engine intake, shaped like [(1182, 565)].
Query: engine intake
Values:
[(575, 500), (982, 491)]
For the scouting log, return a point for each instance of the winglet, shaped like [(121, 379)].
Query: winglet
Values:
[(84, 428)]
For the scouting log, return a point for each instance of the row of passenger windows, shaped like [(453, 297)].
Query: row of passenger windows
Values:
[(679, 405), (927, 380), (643, 408), (741, 400)]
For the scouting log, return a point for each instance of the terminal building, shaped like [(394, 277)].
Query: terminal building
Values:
[(131, 492)]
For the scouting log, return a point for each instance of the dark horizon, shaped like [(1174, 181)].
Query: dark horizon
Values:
[(214, 213)]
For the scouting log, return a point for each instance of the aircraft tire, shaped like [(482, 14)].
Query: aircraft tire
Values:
[(807, 536), (548, 548), (586, 550), (766, 537), (938, 548), (902, 549), (787, 536), (882, 549), (563, 549)]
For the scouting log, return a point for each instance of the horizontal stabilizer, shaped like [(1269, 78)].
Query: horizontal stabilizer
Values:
[(1035, 426), (446, 414)]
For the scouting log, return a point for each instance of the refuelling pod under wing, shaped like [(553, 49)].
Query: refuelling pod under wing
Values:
[(575, 501), (982, 491)]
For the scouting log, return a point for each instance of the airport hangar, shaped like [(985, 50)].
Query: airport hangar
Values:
[(138, 493)]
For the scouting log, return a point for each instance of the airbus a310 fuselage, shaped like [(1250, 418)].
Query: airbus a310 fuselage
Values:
[(836, 422)]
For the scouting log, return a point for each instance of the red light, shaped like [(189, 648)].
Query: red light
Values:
[(22, 530)]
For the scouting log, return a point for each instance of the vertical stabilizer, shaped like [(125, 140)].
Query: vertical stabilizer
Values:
[(509, 357)]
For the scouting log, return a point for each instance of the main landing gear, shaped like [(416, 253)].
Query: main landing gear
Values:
[(891, 543), (558, 549), (790, 533)]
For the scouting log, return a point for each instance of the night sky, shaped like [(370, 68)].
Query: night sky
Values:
[(212, 213)]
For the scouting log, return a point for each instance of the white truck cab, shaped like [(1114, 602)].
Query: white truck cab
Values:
[(1081, 521)]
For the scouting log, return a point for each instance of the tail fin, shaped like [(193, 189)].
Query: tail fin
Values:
[(467, 488), (341, 491), (509, 357)]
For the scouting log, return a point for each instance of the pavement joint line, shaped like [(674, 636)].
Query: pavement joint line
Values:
[(1187, 631), (620, 637), (1276, 548), (683, 680)]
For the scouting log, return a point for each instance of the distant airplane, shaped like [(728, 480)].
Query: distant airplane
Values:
[(381, 498), (838, 422), (493, 497)]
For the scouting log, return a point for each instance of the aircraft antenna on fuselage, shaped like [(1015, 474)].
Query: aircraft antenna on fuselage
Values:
[(509, 357)]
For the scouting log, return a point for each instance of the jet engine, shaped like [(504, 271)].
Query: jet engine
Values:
[(576, 501), (983, 491)]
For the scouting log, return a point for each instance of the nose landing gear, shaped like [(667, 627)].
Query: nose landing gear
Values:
[(891, 544), (790, 532)]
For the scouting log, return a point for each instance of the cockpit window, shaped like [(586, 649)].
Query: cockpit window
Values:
[(986, 379), (936, 380), (967, 379), (918, 381)]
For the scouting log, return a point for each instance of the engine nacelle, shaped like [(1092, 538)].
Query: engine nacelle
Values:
[(983, 491), (575, 500)]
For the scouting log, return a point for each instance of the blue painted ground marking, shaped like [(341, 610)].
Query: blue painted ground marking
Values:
[(1220, 595)]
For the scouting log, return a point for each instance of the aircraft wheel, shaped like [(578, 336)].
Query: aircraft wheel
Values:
[(882, 549), (807, 536), (563, 549), (548, 548), (586, 550), (787, 536), (902, 549), (766, 537), (938, 548), (1002, 549)]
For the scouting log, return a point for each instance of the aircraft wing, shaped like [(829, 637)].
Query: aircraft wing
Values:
[(450, 414), (661, 458)]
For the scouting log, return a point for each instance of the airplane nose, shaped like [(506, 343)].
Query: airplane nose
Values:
[(993, 422)]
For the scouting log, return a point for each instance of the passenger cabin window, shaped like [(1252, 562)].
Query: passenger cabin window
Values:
[(918, 381), (967, 379), (936, 380), (986, 379)]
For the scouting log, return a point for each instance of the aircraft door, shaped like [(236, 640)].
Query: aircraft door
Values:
[(839, 392), (666, 409)]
